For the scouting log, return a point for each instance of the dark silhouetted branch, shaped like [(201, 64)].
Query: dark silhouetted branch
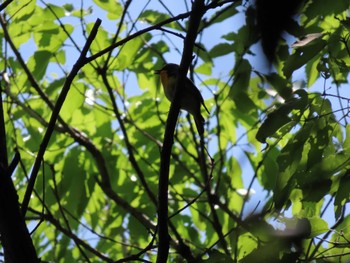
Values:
[(55, 114), (197, 12)]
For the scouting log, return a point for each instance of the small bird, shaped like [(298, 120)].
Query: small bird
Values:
[(191, 100)]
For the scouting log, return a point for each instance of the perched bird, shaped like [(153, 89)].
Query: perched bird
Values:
[(191, 99)]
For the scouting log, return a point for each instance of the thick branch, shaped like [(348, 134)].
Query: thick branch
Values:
[(15, 238), (197, 12), (5, 4)]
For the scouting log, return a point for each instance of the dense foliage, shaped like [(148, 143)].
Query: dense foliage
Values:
[(276, 175)]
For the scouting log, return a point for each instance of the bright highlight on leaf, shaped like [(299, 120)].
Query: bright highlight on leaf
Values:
[(307, 40)]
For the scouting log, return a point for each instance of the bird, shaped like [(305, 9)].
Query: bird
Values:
[(191, 100)]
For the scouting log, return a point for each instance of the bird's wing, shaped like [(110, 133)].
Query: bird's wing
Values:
[(195, 92)]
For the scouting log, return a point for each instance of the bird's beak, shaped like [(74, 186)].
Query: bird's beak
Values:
[(157, 71)]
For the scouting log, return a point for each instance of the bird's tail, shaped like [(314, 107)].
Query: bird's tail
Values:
[(205, 107), (199, 120)]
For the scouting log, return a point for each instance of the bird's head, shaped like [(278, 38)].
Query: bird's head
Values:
[(170, 69)]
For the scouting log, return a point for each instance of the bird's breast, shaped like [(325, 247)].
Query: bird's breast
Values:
[(168, 85), (164, 78)]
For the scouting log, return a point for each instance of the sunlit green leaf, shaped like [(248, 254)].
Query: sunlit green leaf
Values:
[(221, 50), (155, 17), (113, 8), (302, 55)]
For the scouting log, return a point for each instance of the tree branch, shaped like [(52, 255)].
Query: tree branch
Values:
[(55, 113), (84, 141), (198, 9), (131, 156), (50, 218), (5, 4), (23, 64), (15, 238), (212, 5)]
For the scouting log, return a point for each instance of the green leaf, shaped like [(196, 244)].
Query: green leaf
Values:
[(342, 195), (274, 121), (128, 52), (342, 230), (266, 253), (227, 124), (51, 12), (75, 184), (268, 173), (20, 33), (229, 36), (74, 101), (280, 116), (154, 17), (221, 49), (303, 55), (39, 62), (328, 7), (281, 85), (311, 71), (27, 8), (68, 7), (205, 68), (220, 16), (113, 8), (50, 36), (238, 91), (291, 162)]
